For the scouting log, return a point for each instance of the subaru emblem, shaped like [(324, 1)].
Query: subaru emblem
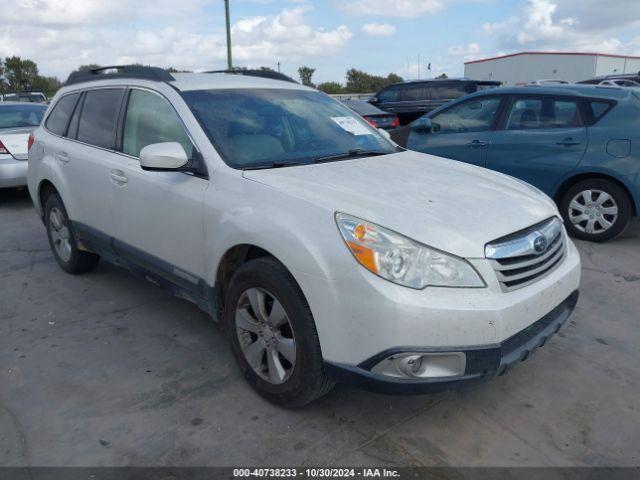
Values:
[(540, 244)]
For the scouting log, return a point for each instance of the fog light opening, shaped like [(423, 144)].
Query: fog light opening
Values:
[(419, 365)]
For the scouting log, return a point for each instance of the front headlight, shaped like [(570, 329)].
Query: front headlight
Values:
[(401, 260)]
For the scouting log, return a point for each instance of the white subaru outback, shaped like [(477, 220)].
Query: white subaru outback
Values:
[(327, 252)]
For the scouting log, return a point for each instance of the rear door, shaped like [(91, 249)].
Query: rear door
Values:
[(462, 132), (541, 139), (87, 158)]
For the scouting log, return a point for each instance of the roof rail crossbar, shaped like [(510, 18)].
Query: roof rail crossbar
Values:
[(257, 73), (120, 71)]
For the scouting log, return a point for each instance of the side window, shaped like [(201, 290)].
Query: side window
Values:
[(58, 119), (543, 112), (474, 115), (450, 91), (389, 94), (412, 93), (99, 117), (151, 119)]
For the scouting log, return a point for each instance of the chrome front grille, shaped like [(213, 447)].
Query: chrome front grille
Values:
[(524, 257)]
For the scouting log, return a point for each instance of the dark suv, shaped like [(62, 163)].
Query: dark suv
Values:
[(411, 100)]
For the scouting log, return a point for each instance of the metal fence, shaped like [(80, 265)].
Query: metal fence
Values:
[(352, 96)]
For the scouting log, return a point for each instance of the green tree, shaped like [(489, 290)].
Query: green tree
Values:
[(363, 82), (442, 76), (306, 75), (20, 74), (331, 87)]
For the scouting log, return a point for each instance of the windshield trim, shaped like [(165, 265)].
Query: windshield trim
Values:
[(275, 164)]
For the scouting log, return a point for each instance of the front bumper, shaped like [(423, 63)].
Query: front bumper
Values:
[(13, 173), (482, 363)]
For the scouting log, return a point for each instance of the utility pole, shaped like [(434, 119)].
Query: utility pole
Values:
[(278, 67), (226, 13)]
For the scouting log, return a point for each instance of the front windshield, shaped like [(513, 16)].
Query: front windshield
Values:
[(17, 116), (269, 127)]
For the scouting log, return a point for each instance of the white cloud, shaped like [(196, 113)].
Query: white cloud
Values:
[(378, 29), (551, 25), (95, 32), (394, 8)]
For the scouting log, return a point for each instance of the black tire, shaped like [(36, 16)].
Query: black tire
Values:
[(79, 261), (618, 195), (307, 381)]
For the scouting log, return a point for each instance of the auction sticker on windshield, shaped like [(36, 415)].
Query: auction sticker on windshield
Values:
[(352, 125)]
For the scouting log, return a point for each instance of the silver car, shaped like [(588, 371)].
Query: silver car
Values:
[(17, 121)]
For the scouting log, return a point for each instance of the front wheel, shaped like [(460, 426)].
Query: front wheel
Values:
[(596, 210), (273, 334)]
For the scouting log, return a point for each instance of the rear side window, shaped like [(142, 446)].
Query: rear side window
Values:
[(58, 119), (543, 112), (99, 117), (389, 94), (412, 93), (150, 119), (596, 109), (450, 91)]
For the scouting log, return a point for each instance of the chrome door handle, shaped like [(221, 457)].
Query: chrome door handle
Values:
[(62, 157), (118, 177), (477, 144), (568, 142)]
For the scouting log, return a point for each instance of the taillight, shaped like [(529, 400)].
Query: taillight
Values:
[(372, 122), (396, 122), (3, 149), (31, 140)]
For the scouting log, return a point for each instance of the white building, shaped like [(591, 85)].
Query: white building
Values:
[(527, 66)]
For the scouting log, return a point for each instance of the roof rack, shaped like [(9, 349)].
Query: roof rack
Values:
[(257, 73), (120, 71)]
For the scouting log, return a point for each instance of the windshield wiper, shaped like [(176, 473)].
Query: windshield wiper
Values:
[(263, 166), (357, 152)]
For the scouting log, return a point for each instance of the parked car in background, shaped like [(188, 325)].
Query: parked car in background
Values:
[(376, 117), (17, 121), (327, 252), (620, 82), (579, 144), (633, 77), (550, 81), (34, 97), (411, 100)]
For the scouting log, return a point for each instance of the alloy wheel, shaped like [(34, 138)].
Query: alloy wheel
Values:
[(265, 335), (60, 235), (593, 211)]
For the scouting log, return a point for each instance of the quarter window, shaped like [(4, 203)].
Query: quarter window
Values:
[(99, 117), (471, 116), (151, 119), (59, 118), (543, 112)]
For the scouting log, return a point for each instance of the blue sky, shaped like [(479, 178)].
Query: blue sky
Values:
[(379, 36)]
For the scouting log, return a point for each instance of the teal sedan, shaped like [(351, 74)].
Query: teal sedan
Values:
[(579, 144)]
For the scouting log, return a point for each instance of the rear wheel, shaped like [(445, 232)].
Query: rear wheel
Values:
[(596, 210), (62, 239), (273, 334)]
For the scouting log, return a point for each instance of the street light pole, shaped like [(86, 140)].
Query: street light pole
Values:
[(226, 13)]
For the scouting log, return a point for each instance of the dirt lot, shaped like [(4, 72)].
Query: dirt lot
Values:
[(104, 369)]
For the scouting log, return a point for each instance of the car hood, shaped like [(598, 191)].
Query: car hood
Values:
[(443, 203), (16, 141)]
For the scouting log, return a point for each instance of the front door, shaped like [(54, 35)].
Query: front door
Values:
[(462, 132), (541, 141), (158, 215)]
